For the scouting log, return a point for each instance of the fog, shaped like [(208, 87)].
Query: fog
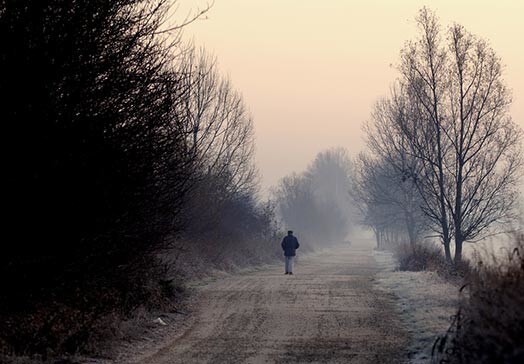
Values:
[(157, 152), (310, 71)]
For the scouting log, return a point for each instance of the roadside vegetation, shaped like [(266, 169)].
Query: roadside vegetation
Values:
[(489, 324), (126, 156), (429, 257), (444, 158), (443, 168), (128, 164)]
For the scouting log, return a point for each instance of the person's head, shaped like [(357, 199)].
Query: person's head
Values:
[(290, 232)]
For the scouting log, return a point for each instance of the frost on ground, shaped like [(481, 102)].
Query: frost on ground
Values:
[(425, 303), (329, 311)]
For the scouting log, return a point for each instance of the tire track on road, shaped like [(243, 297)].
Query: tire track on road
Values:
[(328, 312)]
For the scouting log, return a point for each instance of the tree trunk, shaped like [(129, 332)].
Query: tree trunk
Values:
[(458, 248), (447, 249), (377, 236), (411, 229)]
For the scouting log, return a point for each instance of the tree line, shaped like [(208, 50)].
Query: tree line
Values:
[(316, 203), (121, 144), (443, 155)]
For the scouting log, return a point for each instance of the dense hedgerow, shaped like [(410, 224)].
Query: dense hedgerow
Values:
[(99, 159)]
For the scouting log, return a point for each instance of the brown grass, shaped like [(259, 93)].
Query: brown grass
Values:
[(82, 321), (429, 256), (489, 324)]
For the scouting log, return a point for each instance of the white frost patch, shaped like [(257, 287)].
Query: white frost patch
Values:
[(425, 303)]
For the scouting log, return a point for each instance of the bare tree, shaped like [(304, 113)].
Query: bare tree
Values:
[(423, 68), (460, 130), (388, 200), (446, 130), (487, 158), (316, 202), (331, 174), (222, 211), (220, 130)]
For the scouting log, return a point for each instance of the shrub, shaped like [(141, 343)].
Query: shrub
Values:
[(429, 256), (419, 257)]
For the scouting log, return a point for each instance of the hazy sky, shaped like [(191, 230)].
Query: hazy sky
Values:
[(311, 70)]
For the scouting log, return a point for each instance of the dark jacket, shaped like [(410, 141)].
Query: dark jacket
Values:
[(290, 245)]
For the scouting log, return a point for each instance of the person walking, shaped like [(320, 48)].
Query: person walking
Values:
[(290, 245)]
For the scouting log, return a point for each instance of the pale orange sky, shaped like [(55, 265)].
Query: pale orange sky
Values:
[(311, 70)]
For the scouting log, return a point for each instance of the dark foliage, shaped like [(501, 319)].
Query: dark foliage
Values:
[(94, 162), (489, 324), (227, 229)]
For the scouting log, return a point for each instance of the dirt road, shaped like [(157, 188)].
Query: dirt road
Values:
[(327, 312)]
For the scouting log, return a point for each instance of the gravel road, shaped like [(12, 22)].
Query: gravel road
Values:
[(327, 312)]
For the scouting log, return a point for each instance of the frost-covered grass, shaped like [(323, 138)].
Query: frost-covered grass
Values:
[(425, 303), (483, 324)]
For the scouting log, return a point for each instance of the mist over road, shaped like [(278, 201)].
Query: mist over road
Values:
[(327, 312)]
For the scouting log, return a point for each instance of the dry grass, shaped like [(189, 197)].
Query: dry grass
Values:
[(419, 257), (429, 257), (84, 321), (489, 324)]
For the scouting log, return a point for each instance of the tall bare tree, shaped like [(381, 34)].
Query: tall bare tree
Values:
[(423, 68), (446, 129), (487, 158), (459, 129), (220, 130)]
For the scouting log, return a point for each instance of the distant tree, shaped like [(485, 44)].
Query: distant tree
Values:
[(388, 201), (330, 173), (317, 202), (331, 178), (396, 166), (296, 204)]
